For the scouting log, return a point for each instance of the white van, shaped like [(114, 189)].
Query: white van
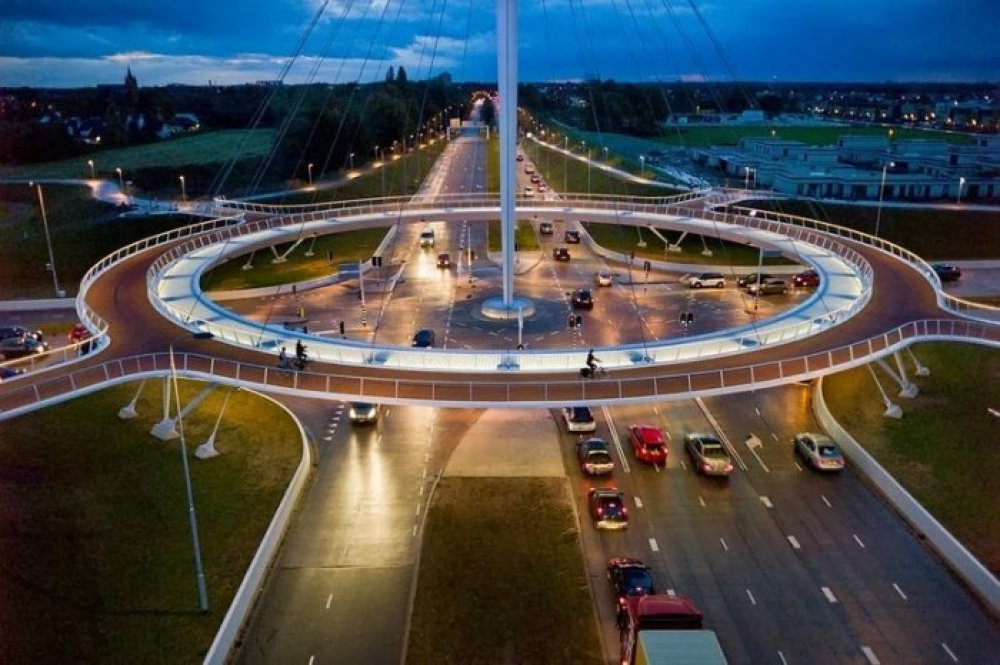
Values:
[(427, 238)]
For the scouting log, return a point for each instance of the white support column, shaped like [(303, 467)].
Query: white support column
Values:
[(921, 370), (906, 387), (207, 450), (166, 429), (892, 410), (128, 411), (507, 78)]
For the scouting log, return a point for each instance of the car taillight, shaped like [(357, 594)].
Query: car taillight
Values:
[(600, 512), (729, 467), (625, 512), (706, 466)]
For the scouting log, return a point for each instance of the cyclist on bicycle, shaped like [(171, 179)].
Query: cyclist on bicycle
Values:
[(592, 361)]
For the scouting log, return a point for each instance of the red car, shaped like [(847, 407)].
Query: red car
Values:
[(648, 443), (808, 278)]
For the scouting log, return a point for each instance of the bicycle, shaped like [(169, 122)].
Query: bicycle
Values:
[(597, 373)]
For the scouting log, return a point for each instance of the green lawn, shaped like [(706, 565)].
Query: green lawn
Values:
[(82, 230), (524, 236), (97, 556), (204, 148), (931, 233), (347, 247), (483, 595), (944, 449)]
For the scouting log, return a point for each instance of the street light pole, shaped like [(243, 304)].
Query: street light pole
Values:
[(961, 184), (184, 195), (565, 163), (881, 192), (588, 170), (642, 166), (310, 169), (746, 179), (351, 157), (121, 181), (90, 163), (48, 240)]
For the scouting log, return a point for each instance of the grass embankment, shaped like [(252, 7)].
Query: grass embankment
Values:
[(930, 233), (82, 229), (347, 247), (197, 149), (97, 554), (944, 449), (525, 237), (501, 578)]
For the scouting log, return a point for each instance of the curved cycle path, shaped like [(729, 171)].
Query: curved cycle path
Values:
[(903, 309)]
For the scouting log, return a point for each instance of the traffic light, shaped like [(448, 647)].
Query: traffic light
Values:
[(341, 328)]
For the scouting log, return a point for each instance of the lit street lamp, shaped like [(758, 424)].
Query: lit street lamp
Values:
[(746, 182), (121, 182), (48, 240), (605, 154), (351, 158), (184, 195), (642, 166), (881, 192), (310, 169), (961, 184), (90, 163)]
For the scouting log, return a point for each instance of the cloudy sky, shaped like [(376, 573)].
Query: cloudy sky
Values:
[(73, 43)]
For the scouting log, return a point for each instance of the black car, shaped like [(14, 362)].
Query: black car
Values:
[(746, 280), (6, 332), (19, 347), (572, 237), (423, 338), (946, 272), (594, 457), (607, 508), (583, 299), (629, 577), (10, 372), (560, 254)]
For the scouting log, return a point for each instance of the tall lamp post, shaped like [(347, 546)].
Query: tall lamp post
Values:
[(90, 163), (121, 181), (605, 154), (588, 170), (565, 163), (351, 158), (749, 170), (642, 166), (961, 184), (184, 194), (48, 239), (309, 168), (881, 193)]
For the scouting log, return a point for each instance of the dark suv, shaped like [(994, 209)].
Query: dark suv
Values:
[(947, 273), (583, 299)]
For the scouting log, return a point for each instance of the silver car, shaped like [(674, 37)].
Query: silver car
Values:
[(594, 457), (819, 451), (363, 413), (708, 456)]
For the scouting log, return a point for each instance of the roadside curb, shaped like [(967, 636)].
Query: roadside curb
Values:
[(959, 559)]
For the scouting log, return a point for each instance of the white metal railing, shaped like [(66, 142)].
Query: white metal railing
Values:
[(968, 308), (495, 388)]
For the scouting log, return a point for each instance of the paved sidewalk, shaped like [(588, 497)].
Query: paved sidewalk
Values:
[(509, 442)]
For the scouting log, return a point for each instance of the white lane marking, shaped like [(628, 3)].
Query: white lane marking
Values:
[(418, 508), (616, 440), (425, 472), (794, 542), (421, 490), (951, 654), (312, 659), (671, 592), (757, 409), (826, 501), (414, 530), (328, 438), (329, 600), (683, 465), (638, 502), (767, 502), (781, 657), (753, 601), (701, 501), (387, 411), (656, 467), (724, 546), (775, 437), (797, 466), (870, 655), (899, 591), (858, 540), (653, 546), (829, 594)]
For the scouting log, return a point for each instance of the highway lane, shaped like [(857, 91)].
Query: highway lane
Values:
[(339, 592), (756, 552)]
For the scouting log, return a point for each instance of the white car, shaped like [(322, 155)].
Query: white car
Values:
[(427, 238), (529, 191), (603, 278), (705, 280), (579, 419)]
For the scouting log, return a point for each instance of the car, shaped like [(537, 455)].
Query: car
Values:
[(535, 178), (946, 272), (363, 413), (603, 278), (594, 457), (806, 278), (529, 169), (770, 287), (529, 191), (706, 279), (648, 443), (546, 228), (6, 332), (19, 347), (542, 188), (607, 508), (423, 338), (10, 372), (560, 254), (444, 261), (579, 419), (708, 456), (629, 578), (571, 237), (819, 451), (743, 281), (583, 299), (427, 238), (520, 158)]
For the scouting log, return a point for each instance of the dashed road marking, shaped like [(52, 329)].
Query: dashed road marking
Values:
[(826, 501), (858, 541), (638, 502), (329, 601), (794, 542), (767, 502), (653, 546), (671, 592), (781, 657), (899, 591), (870, 655), (951, 654), (753, 601), (724, 546), (701, 501), (829, 594)]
